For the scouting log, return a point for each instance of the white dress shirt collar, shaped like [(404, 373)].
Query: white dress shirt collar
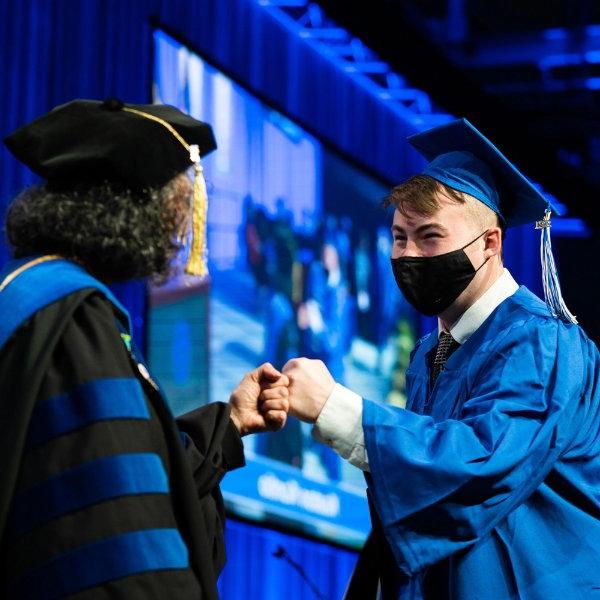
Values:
[(504, 287)]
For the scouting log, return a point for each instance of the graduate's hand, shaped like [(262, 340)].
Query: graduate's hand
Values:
[(260, 402), (311, 385)]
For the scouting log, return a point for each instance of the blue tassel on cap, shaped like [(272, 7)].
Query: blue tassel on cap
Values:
[(552, 291)]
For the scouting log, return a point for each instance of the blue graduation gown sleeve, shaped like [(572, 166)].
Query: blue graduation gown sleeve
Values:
[(440, 487)]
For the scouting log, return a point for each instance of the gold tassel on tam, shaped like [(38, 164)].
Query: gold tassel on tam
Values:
[(197, 260)]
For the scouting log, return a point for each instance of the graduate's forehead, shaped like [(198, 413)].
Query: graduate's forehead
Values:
[(450, 214)]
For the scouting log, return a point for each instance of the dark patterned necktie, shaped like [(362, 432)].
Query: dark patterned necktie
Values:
[(446, 346)]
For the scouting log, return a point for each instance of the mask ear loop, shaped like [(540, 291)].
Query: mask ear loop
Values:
[(483, 263), (472, 242)]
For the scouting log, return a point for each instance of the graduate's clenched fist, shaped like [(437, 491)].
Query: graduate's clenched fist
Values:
[(311, 385), (260, 402)]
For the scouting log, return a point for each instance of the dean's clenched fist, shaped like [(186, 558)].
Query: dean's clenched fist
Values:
[(260, 402)]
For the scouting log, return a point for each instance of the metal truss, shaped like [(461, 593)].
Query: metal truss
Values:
[(356, 60)]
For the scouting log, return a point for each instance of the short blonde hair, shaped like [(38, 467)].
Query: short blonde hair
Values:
[(419, 194)]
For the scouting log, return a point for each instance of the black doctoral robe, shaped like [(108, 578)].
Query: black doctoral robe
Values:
[(103, 493)]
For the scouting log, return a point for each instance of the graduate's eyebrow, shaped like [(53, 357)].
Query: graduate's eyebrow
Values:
[(421, 229)]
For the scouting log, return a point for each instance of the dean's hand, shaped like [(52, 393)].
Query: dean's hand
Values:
[(311, 385), (260, 402)]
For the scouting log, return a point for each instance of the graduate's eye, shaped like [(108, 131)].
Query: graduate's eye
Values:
[(432, 235)]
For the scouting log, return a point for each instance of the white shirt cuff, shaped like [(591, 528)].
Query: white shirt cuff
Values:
[(339, 426)]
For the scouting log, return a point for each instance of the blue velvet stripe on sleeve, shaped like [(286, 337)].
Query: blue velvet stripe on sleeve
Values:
[(94, 564), (85, 485), (93, 401)]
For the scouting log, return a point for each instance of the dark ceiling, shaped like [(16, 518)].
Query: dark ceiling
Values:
[(526, 72)]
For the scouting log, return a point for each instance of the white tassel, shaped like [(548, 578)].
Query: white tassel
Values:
[(552, 291)]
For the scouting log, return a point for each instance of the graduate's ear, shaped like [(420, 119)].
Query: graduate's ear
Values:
[(493, 243)]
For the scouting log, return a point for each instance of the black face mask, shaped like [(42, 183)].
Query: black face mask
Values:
[(432, 283)]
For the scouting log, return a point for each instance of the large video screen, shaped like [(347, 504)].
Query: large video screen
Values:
[(299, 258)]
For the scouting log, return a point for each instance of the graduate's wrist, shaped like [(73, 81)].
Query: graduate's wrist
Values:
[(307, 408), (319, 404)]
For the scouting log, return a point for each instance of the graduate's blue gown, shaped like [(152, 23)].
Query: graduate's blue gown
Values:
[(502, 480)]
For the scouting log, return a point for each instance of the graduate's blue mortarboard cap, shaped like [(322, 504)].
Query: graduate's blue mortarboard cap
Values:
[(465, 160), (462, 158)]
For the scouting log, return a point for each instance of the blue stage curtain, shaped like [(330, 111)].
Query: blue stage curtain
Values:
[(252, 570), (55, 50)]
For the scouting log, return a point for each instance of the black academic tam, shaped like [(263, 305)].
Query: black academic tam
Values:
[(88, 141)]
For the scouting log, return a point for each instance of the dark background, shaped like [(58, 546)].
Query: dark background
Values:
[(498, 63)]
